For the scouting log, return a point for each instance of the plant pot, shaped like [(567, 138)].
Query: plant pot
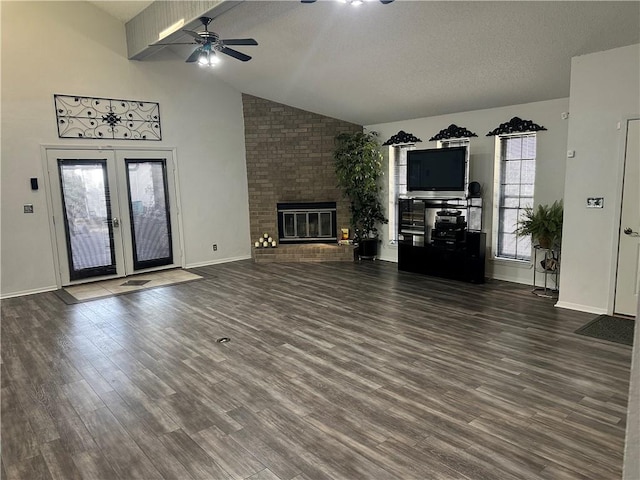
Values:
[(544, 242), (368, 248)]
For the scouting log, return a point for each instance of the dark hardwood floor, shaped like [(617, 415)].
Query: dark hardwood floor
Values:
[(333, 371)]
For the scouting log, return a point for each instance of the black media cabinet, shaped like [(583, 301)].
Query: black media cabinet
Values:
[(420, 251)]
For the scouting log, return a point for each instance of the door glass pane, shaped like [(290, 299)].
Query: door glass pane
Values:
[(148, 203), (87, 212)]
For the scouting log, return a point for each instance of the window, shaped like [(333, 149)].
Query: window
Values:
[(397, 186), (454, 142), (515, 178)]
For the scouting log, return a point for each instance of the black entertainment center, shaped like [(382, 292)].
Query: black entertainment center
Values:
[(431, 242), (440, 225)]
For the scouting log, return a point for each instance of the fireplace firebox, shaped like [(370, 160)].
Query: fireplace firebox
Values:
[(307, 222)]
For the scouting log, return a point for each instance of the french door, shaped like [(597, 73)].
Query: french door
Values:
[(114, 212)]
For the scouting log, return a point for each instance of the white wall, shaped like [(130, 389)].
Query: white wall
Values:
[(605, 90), (550, 167), (81, 51)]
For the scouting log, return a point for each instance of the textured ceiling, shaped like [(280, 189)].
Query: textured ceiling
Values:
[(378, 63)]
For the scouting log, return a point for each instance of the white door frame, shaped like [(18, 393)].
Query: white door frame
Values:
[(178, 251), (623, 127)]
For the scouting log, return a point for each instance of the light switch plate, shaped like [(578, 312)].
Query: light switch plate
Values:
[(595, 202), (28, 208)]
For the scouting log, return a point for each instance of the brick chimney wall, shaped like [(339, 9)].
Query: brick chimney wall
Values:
[(289, 154)]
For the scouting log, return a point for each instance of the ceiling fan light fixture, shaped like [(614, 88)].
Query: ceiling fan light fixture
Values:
[(213, 59), (208, 59), (356, 3)]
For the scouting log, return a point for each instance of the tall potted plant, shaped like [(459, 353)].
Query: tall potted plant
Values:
[(358, 164), (543, 223)]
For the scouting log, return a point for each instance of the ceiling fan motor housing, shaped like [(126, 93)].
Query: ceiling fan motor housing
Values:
[(209, 37)]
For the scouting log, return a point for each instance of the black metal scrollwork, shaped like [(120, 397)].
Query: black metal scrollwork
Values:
[(516, 125), (97, 118), (402, 137), (452, 131)]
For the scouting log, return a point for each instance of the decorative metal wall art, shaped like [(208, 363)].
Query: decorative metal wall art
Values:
[(516, 125), (452, 131), (97, 118), (402, 137)]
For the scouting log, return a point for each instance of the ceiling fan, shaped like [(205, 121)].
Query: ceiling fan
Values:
[(210, 44)]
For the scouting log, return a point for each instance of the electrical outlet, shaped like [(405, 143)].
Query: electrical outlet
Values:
[(215, 247)]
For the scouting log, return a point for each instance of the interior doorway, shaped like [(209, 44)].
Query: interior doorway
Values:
[(114, 212), (628, 271)]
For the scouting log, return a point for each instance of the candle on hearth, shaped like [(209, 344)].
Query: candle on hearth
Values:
[(273, 243), (257, 244)]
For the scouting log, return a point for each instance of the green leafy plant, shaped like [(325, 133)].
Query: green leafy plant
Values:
[(358, 165), (543, 223)]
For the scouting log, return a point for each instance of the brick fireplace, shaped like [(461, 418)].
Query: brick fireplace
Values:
[(289, 155)]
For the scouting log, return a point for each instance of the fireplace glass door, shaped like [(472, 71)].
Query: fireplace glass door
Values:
[(307, 223), (311, 225)]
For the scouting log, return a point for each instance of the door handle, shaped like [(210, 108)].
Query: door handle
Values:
[(631, 233), (115, 222)]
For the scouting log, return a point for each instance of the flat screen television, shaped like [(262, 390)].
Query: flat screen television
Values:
[(437, 172)]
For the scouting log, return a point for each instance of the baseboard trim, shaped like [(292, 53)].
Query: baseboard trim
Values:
[(581, 308), (28, 292), (215, 262), (506, 278)]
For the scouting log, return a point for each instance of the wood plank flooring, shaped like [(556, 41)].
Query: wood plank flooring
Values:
[(334, 371)]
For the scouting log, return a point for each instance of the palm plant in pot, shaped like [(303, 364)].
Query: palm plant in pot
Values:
[(543, 223), (358, 165)]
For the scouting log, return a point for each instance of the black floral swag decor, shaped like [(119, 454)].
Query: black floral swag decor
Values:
[(516, 125), (452, 131), (402, 138)]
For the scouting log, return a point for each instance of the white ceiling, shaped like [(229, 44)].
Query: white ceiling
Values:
[(122, 10), (378, 63)]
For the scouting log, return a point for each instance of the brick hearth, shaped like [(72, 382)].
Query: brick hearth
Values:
[(304, 253)]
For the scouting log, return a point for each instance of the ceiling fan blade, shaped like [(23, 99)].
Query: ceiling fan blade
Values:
[(385, 2), (195, 35), (235, 54), (308, 1), (239, 41), (194, 56)]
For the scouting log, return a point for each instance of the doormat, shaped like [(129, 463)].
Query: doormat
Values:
[(612, 329), (118, 286), (134, 283)]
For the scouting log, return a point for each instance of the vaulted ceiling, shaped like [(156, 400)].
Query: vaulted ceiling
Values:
[(408, 59)]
